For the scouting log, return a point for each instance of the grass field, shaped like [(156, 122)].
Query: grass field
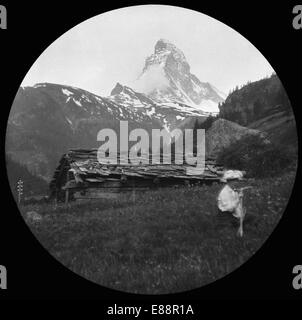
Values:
[(165, 241)]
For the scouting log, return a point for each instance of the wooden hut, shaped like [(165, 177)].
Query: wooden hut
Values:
[(81, 175)]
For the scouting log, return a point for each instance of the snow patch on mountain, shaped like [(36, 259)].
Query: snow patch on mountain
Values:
[(150, 112), (67, 92), (77, 102), (69, 121), (39, 85), (207, 105)]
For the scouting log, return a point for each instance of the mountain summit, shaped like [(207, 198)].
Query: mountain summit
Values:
[(166, 77)]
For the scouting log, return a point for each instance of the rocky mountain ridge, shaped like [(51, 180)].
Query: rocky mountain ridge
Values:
[(166, 77)]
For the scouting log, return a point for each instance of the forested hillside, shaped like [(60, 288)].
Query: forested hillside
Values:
[(265, 106), (32, 185)]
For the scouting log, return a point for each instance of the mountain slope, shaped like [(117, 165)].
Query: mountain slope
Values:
[(48, 119), (223, 133), (263, 105), (168, 114)]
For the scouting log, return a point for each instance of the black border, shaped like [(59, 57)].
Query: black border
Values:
[(32, 272)]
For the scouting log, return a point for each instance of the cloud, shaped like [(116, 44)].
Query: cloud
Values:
[(153, 78)]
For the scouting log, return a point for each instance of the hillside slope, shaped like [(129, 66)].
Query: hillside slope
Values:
[(49, 119), (262, 105), (222, 133)]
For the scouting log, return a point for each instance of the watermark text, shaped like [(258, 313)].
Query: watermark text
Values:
[(3, 277), (135, 148), (3, 17), (297, 21), (297, 281)]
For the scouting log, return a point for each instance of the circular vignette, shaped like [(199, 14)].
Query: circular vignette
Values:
[(147, 238)]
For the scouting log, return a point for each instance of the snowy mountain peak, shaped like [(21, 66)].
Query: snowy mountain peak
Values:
[(166, 77), (120, 89), (166, 54), (117, 89), (163, 46)]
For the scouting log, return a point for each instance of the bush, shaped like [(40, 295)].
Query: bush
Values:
[(257, 156), (207, 123)]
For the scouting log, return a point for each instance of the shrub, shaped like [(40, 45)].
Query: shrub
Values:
[(207, 123), (257, 156)]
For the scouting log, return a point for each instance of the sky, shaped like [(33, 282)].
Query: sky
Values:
[(112, 47)]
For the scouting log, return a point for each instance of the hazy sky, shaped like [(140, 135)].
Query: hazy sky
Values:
[(112, 47)]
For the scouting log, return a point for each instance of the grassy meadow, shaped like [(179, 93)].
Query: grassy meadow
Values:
[(162, 241)]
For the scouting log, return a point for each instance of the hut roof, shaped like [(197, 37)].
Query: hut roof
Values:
[(85, 168)]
